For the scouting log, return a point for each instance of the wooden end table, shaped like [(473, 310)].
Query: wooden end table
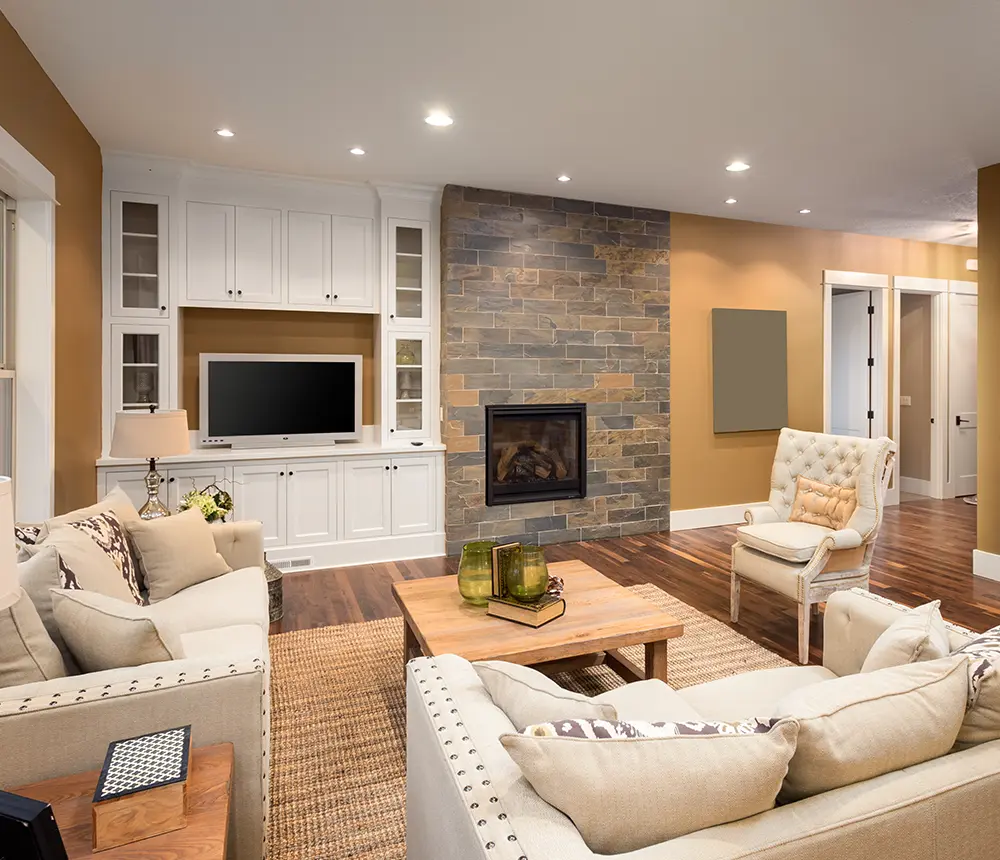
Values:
[(601, 616), (204, 837)]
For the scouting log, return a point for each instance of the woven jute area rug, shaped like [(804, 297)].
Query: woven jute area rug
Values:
[(338, 725)]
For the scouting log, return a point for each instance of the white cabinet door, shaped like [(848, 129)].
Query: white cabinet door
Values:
[(211, 252), (258, 255), (139, 253), (353, 281), (313, 502), (408, 260), (181, 480), (309, 259), (133, 482), (413, 502), (367, 494), (259, 494), (408, 385), (140, 368)]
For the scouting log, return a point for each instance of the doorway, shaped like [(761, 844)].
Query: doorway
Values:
[(963, 311), (917, 421)]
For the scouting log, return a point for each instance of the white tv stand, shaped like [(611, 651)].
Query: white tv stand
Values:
[(321, 506)]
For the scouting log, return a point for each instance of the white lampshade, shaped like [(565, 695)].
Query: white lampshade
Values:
[(151, 434), (9, 584)]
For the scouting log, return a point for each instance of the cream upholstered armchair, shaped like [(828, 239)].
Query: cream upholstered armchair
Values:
[(802, 560)]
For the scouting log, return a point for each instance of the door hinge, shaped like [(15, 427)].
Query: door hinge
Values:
[(871, 310), (871, 415), (871, 362)]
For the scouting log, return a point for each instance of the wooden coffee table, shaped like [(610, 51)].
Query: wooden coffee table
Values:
[(600, 618), (204, 837)]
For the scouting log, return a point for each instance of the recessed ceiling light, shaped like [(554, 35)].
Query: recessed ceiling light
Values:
[(357, 150), (804, 211), (737, 166), (562, 177), (730, 200), (224, 132), (438, 118)]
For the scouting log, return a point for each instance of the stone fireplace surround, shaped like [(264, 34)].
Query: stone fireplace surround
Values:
[(549, 300)]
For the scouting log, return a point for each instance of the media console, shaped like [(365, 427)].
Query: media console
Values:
[(323, 506)]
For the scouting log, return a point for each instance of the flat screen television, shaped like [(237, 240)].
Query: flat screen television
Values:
[(249, 400)]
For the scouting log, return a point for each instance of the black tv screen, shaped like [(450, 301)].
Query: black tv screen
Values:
[(280, 398)]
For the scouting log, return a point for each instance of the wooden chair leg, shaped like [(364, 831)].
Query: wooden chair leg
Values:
[(734, 598), (804, 615)]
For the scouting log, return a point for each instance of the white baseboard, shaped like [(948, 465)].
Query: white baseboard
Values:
[(703, 518), (916, 485), (351, 552), (986, 564)]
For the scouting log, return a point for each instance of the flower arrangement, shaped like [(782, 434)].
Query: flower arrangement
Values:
[(214, 503)]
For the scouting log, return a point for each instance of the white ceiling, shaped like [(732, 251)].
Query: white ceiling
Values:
[(875, 114)]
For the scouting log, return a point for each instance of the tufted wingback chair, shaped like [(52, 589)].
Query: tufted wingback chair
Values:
[(803, 561)]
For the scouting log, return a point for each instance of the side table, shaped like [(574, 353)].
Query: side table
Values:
[(204, 837)]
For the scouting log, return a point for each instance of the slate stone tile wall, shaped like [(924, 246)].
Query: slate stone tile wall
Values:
[(550, 300)]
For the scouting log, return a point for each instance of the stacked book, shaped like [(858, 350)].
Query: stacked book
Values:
[(536, 614)]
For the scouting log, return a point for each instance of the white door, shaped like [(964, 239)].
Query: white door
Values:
[(133, 482), (962, 344), (850, 373), (353, 271), (139, 252), (413, 504), (313, 496), (211, 244), (259, 493), (309, 259), (258, 255), (183, 479), (367, 494)]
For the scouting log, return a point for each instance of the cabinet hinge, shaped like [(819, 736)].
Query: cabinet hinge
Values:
[(871, 415), (871, 362), (871, 310)]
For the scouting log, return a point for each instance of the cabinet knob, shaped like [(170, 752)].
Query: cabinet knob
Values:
[(387, 468), (328, 295), (172, 480), (239, 292), (163, 307), (281, 474), (392, 429), (290, 474), (229, 291), (393, 468), (392, 316), (335, 295)]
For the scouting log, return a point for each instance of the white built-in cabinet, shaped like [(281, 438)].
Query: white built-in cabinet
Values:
[(408, 256), (139, 255), (408, 413), (414, 485), (258, 255), (141, 366), (176, 481), (331, 261), (389, 496)]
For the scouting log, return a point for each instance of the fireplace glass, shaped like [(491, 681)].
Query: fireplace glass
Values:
[(536, 453)]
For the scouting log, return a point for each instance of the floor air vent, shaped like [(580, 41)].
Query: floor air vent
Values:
[(291, 563)]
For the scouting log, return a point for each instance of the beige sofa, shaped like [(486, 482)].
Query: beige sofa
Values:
[(466, 798), (63, 726)]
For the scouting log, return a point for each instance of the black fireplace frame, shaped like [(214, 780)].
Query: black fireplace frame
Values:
[(571, 489)]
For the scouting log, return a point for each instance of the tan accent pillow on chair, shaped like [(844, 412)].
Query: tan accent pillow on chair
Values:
[(27, 654), (822, 504), (177, 552)]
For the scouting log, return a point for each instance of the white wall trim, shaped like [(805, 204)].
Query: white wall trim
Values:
[(702, 518), (347, 553), (919, 285), (23, 176), (968, 288), (916, 485), (986, 564), (863, 280)]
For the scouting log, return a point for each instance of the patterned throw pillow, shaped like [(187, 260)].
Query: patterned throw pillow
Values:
[(107, 531), (822, 504), (615, 729), (25, 534), (982, 719)]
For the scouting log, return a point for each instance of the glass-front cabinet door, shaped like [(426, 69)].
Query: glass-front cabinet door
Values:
[(409, 270), (409, 403), (139, 367), (139, 255)]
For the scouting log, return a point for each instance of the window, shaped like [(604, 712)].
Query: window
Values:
[(7, 380)]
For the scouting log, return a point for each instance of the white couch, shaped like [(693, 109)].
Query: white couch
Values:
[(221, 688), (466, 798)]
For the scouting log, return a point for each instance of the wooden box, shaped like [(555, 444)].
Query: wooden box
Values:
[(143, 787)]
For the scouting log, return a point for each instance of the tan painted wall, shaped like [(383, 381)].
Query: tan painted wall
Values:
[(988, 393), (915, 382), (293, 332), (34, 112), (716, 262)]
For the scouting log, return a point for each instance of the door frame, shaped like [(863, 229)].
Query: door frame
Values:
[(969, 288), (879, 286), (938, 290)]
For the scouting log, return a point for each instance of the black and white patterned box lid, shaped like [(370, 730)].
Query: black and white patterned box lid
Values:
[(147, 761)]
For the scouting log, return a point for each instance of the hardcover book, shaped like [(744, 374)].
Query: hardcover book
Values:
[(504, 556), (531, 614)]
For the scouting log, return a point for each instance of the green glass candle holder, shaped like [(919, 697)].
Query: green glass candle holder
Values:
[(528, 580), (475, 571)]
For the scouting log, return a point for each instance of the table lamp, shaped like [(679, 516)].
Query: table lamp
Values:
[(151, 435), (9, 583)]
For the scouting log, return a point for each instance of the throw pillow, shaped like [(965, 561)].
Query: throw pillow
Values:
[(37, 576), (27, 654), (104, 633), (84, 564), (630, 785), (982, 719), (25, 534), (917, 636), (107, 531), (116, 501), (177, 552), (527, 696), (822, 504), (861, 726)]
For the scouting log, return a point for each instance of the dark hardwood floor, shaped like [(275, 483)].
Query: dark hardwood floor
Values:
[(924, 552)]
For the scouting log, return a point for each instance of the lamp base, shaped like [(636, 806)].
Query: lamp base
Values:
[(154, 508)]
